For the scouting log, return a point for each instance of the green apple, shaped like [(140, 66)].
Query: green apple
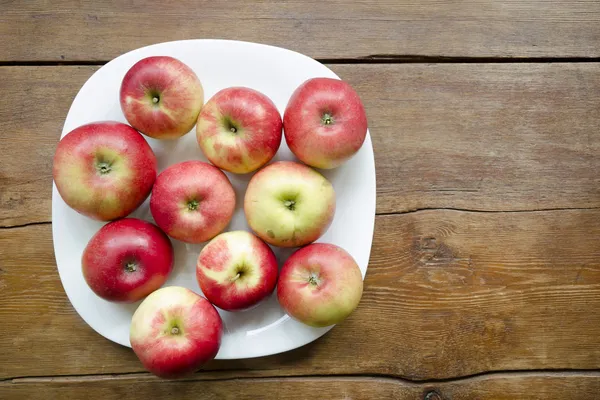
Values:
[(288, 204)]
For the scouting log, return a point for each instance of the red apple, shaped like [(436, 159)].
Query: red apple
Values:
[(236, 270), (324, 122), (104, 170), (161, 97), (239, 130), (320, 285), (126, 260), (192, 201), (288, 204), (175, 331)]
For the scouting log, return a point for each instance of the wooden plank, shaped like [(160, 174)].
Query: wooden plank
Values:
[(572, 386), (447, 294), (35, 105), (90, 30), (469, 136), (484, 137)]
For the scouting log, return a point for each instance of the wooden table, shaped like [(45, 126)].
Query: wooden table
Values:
[(484, 278)]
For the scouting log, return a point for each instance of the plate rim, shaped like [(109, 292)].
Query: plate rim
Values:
[(156, 46)]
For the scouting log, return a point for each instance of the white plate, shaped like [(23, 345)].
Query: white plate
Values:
[(275, 72)]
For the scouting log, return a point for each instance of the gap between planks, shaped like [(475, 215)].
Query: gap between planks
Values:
[(231, 376), (383, 214), (369, 59)]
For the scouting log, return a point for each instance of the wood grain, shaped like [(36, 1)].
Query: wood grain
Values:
[(36, 103), (483, 137), (492, 137), (575, 386), (447, 294), (90, 30)]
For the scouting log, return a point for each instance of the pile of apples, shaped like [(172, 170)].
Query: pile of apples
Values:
[(106, 170)]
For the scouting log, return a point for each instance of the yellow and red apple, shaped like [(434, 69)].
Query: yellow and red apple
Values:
[(175, 331), (320, 285), (324, 122), (104, 170), (192, 201), (239, 130), (288, 204), (236, 270), (161, 97)]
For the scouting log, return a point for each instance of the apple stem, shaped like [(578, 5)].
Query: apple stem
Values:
[(232, 129), (313, 279), (103, 168), (174, 330), (130, 267), (327, 119), (192, 205), (155, 99), (290, 204), (236, 277)]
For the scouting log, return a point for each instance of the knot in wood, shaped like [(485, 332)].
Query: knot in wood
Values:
[(432, 395)]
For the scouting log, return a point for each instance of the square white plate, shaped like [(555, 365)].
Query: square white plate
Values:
[(276, 72)]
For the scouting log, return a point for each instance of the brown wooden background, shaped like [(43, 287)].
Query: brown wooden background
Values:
[(484, 278)]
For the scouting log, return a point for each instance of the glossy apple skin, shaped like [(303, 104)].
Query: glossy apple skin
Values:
[(161, 97), (175, 331), (192, 201), (320, 285), (236, 270), (239, 130), (288, 204), (104, 170), (307, 133), (126, 260)]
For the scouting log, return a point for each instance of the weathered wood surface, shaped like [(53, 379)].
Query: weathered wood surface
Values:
[(568, 386), (493, 137), (67, 30), (499, 270), (447, 294)]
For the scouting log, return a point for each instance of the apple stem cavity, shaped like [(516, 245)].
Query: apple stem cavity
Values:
[(290, 204), (192, 205), (230, 125), (313, 279), (130, 267), (103, 168), (239, 273), (327, 119)]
